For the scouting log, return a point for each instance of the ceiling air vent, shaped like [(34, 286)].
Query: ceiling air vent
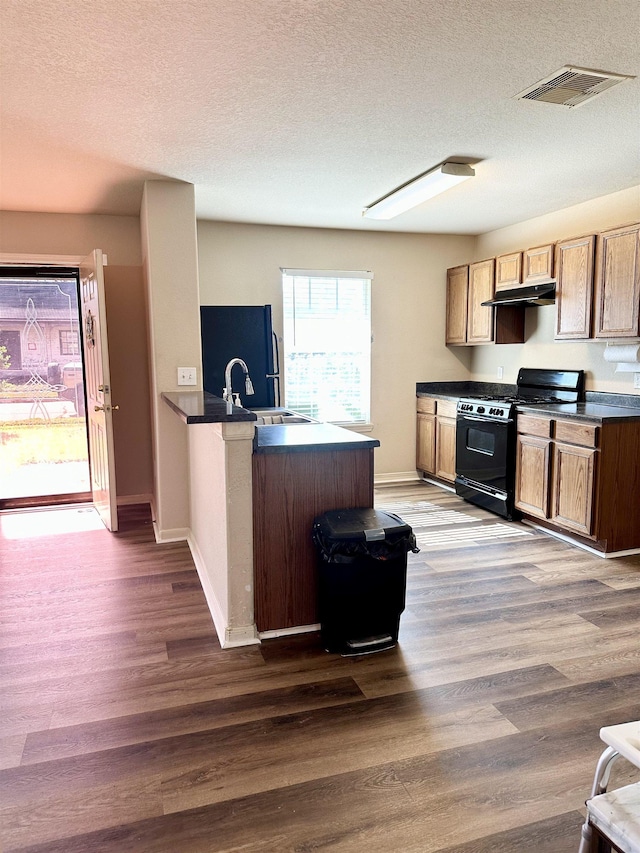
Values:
[(570, 86)]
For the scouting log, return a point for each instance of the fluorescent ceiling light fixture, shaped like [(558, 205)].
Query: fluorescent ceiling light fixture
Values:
[(425, 186)]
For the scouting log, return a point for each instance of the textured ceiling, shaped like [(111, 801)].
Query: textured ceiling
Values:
[(301, 112)]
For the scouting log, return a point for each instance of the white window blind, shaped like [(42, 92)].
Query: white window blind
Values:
[(327, 343)]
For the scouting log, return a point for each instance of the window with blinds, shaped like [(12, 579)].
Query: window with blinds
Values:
[(327, 344)]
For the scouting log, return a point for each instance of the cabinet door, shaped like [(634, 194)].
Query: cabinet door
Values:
[(446, 449), (508, 271), (573, 487), (481, 288), (533, 464), (457, 287), (426, 443), (617, 288), (574, 290), (538, 264)]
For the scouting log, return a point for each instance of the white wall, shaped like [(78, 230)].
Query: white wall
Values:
[(240, 265), (540, 349)]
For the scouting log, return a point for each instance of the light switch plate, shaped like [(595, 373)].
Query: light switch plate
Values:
[(187, 376), (636, 380)]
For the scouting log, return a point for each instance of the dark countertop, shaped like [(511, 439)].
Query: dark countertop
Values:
[(200, 407), (598, 407), (595, 412), (197, 407), (455, 390), (292, 438)]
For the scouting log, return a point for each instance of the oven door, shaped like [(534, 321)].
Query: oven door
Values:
[(485, 462), (485, 452)]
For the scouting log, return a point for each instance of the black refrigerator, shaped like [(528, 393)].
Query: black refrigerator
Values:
[(241, 331)]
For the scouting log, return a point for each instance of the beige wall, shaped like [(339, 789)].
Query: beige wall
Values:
[(129, 366), (71, 234), (170, 262), (119, 237), (240, 265), (540, 349)]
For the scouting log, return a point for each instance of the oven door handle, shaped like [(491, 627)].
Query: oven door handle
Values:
[(485, 420)]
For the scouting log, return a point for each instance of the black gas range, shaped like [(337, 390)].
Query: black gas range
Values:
[(486, 435)]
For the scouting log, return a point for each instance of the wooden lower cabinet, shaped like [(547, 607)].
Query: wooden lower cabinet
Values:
[(289, 491), (573, 487), (581, 478), (555, 480), (533, 457), (446, 449), (426, 443), (436, 437)]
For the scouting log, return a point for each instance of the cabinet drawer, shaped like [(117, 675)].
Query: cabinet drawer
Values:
[(532, 425), (574, 432), (447, 408), (426, 405)]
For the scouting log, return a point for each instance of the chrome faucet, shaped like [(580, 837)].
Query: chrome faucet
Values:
[(227, 391)]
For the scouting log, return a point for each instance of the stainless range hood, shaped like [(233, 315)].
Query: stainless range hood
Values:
[(533, 294)]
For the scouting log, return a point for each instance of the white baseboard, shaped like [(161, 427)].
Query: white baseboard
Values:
[(288, 632), (127, 500), (396, 478), (447, 488), (246, 635), (172, 534), (577, 544)]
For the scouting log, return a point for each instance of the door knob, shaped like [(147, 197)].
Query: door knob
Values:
[(106, 408)]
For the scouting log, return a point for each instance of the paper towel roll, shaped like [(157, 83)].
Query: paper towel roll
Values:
[(623, 353)]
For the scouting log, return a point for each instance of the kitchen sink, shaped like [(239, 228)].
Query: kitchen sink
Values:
[(277, 415)]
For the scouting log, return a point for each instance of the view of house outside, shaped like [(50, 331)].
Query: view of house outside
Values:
[(43, 439)]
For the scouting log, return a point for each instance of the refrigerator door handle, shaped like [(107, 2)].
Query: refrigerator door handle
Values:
[(276, 353)]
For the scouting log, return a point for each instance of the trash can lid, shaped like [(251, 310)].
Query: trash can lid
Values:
[(361, 524)]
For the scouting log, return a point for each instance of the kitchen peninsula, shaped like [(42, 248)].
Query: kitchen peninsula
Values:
[(254, 491)]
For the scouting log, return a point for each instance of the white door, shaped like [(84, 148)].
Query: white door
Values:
[(98, 381)]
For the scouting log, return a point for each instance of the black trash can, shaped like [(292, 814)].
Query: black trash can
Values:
[(362, 578)]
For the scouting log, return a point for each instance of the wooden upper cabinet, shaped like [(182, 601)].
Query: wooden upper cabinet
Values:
[(574, 289), (482, 276), (538, 264), (508, 271), (617, 284), (457, 289)]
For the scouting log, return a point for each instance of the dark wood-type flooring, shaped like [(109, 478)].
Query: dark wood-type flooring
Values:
[(125, 727)]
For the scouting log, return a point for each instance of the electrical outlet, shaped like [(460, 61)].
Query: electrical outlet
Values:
[(500, 372), (636, 380), (187, 376)]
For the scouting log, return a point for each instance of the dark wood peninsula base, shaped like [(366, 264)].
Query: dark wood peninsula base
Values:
[(289, 490)]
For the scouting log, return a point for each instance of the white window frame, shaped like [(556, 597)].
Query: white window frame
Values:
[(331, 408)]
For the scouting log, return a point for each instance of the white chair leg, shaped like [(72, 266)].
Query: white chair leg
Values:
[(600, 782)]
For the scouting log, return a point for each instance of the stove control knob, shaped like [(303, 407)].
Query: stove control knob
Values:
[(480, 410)]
